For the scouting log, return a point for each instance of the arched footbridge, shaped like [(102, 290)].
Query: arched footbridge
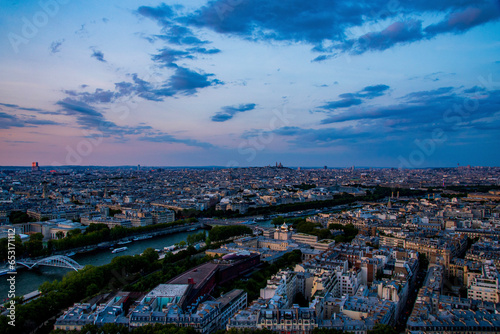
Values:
[(52, 261)]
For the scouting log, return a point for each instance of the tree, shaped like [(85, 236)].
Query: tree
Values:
[(219, 233), (382, 329), (92, 289), (278, 221), (73, 232), (59, 234), (150, 255)]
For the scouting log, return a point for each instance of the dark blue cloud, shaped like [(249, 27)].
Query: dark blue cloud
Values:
[(463, 20), (462, 120), (418, 112), (91, 119), (182, 81), (167, 138), (161, 12), (19, 141), (167, 56), (353, 99), (141, 88), (203, 50), (56, 46), (98, 55), (419, 96), (99, 96), (371, 92), (317, 22), (186, 81), (228, 112), (8, 121), (173, 32), (326, 137), (474, 90), (322, 58), (436, 76), (15, 106), (347, 100), (396, 33)]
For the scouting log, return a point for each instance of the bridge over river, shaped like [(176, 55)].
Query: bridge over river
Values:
[(52, 261)]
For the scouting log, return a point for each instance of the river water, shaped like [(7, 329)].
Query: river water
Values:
[(29, 280)]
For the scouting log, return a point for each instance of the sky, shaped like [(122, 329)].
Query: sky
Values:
[(392, 83)]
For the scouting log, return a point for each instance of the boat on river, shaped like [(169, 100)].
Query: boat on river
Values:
[(118, 250)]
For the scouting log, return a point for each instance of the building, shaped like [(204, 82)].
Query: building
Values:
[(283, 233), (485, 286), (167, 304)]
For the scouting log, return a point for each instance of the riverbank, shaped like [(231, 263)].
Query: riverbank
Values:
[(106, 244)]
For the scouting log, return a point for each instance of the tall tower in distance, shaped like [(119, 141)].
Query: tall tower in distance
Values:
[(34, 166)]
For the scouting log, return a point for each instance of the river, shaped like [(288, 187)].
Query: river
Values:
[(29, 280)]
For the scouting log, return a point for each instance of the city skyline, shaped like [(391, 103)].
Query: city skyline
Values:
[(238, 83)]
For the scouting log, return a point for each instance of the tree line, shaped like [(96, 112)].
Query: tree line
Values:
[(219, 233), (93, 235)]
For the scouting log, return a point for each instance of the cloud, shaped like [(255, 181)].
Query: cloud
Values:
[(419, 96), (182, 81), (228, 112), (168, 56), (18, 142), (309, 137), (327, 24), (15, 106), (55, 46), (436, 76), (8, 121), (371, 92), (321, 58), (161, 12), (464, 20), (98, 55), (141, 88), (173, 31), (396, 33), (347, 100), (460, 119), (167, 138), (205, 51), (91, 119), (187, 82), (443, 108), (353, 99), (99, 96)]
